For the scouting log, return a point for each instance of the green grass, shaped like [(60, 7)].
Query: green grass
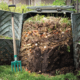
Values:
[(5, 37), (7, 74)]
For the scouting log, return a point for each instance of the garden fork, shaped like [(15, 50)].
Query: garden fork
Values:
[(15, 62)]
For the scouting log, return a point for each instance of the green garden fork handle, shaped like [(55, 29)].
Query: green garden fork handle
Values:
[(12, 6)]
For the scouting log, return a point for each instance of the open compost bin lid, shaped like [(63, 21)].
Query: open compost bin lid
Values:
[(51, 8)]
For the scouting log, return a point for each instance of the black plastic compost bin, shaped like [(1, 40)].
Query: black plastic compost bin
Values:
[(76, 38), (56, 11), (6, 45)]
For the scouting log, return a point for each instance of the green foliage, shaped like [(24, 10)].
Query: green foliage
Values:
[(76, 0), (3, 6), (19, 8), (55, 26), (59, 2), (70, 76), (49, 29), (5, 37), (44, 4), (36, 18), (72, 10), (78, 73), (65, 20), (62, 3), (68, 48), (57, 72), (79, 41), (22, 8)]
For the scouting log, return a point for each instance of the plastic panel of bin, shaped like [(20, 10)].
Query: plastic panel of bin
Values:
[(6, 25), (76, 38), (6, 50), (6, 45)]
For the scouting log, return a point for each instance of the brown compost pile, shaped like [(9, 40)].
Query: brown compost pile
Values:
[(46, 45)]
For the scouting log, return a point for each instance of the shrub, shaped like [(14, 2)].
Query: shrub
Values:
[(19, 7)]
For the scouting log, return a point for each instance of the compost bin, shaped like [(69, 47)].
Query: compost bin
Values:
[(51, 59), (43, 51), (76, 38)]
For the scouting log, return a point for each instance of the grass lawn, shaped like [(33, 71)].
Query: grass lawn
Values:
[(7, 74)]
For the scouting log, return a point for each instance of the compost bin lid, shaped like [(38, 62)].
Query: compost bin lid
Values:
[(50, 7)]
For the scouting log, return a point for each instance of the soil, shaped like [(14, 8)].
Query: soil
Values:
[(47, 47), (78, 77)]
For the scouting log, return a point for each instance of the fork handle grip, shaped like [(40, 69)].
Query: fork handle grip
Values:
[(11, 5)]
